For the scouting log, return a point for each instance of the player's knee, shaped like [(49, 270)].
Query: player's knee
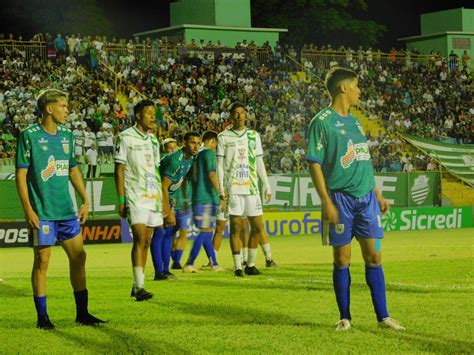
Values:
[(146, 244), (373, 258), (80, 258), (342, 260), (41, 263)]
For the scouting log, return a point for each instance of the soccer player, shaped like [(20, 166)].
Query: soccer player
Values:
[(174, 171), (240, 164), (45, 164), (206, 199), (138, 183), (183, 215), (343, 174)]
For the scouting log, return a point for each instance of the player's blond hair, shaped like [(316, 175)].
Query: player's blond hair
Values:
[(48, 96)]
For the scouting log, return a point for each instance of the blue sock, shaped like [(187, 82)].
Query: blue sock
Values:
[(156, 254), (341, 278), (177, 255), (195, 250), (40, 304), (375, 279), (209, 248), (82, 299), (166, 248)]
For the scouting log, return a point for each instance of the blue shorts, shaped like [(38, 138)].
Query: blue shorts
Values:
[(51, 232), (358, 217), (183, 219), (205, 215)]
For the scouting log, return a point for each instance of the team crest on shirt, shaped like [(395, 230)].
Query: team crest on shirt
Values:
[(339, 228), (45, 228), (148, 160), (339, 124)]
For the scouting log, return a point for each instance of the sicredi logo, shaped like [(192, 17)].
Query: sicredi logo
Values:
[(413, 220)]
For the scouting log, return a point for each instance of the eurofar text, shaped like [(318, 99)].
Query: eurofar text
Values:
[(411, 220), (294, 226)]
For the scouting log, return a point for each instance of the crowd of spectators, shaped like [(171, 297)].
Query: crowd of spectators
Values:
[(193, 93)]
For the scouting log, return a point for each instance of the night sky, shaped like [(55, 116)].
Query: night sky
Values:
[(402, 17)]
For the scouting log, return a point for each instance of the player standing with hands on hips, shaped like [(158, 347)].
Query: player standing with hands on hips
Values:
[(45, 164), (342, 172)]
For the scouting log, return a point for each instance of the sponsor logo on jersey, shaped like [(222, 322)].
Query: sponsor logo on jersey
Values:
[(339, 124), (319, 146), (43, 140), (55, 167), (359, 151), (66, 148)]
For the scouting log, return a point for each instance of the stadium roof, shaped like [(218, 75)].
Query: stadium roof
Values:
[(204, 27)]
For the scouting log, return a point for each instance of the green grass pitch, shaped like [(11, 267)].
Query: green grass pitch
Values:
[(288, 310)]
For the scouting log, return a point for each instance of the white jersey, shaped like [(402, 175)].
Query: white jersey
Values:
[(240, 151), (140, 153)]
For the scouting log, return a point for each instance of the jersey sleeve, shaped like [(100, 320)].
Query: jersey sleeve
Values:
[(120, 150), (168, 166), (23, 156), (316, 141), (220, 146), (258, 145), (210, 161)]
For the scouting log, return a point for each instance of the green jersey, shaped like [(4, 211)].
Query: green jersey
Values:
[(179, 198), (175, 167), (48, 159), (339, 145), (203, 192)]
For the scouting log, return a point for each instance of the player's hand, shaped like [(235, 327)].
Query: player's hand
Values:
[(83, 213), (384, 205), (122, 210), (224, 205), (330, 213), (185, 206), (32, 219), (170, 219), (268, 195)]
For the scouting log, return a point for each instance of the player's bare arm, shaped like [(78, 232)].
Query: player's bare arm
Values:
[(120, 186), (30, 215), (76, 180), (329, 210)]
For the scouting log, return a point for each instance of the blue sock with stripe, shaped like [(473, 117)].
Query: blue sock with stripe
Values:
[(341, 278), (176, 255), (166, 247), (196, 249), (209, 248), (156, 254), (40, 304), (375, 279)]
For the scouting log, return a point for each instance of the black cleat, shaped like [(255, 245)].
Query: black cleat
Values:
[(238, 273), (169, 275), (44, 323), (160, 277), (270, 263), (251, 270), (176, 266), (142, 295), (88, 319)]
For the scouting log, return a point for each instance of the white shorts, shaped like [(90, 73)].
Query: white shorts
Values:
[(143, 216), (245, 205), (78, 150)]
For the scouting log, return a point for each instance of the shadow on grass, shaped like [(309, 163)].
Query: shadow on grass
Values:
[(113, 340), (424, 342), (240, 315), (7, 290)]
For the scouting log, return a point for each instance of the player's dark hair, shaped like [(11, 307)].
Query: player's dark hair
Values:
[(235, 105), (141, 105), (208, 135), (191, 134), (335, 76)]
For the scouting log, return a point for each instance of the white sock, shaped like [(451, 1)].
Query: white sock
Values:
[(267, 250), (245, 254), (138, 277), (237, 261), (252, 257)]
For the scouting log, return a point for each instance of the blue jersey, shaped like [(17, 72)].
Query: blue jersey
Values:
[(175, 167)]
